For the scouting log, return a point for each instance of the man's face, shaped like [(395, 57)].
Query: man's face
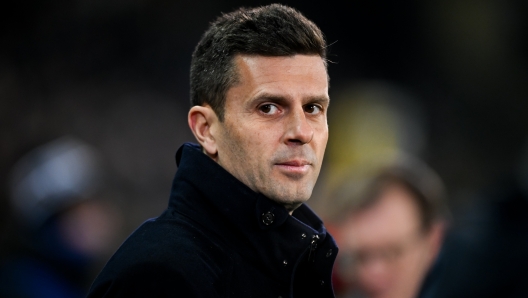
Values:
[(388, 254), (275, 131)]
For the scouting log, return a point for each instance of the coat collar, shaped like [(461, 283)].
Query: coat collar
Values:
[(259, 229)]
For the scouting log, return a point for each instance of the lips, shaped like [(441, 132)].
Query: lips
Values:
[(294, 168), (294, 163)]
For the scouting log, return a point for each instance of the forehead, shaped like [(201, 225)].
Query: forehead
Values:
[(284, 62), (294, 74)]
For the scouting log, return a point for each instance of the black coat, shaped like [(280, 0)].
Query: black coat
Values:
[(485, 254), (218, 238)]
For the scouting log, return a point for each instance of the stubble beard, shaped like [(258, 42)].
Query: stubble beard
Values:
[(287, 191)]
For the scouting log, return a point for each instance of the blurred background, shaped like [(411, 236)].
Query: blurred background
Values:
[(445, 81)]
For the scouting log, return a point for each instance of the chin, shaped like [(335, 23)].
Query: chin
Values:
[(293, 201), (289, 205), (288, 194)]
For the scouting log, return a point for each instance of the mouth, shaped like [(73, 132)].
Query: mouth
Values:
[(294, 168)]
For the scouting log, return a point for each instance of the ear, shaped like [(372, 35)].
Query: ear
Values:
[(436, 237), (203, 121)]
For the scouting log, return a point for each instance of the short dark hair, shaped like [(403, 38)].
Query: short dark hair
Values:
[(272, 30), (425, 187)]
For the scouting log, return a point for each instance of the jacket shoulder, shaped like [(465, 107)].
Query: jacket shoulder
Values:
[(166, 257)]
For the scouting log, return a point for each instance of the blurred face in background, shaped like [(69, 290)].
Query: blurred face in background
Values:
[(384, 252)]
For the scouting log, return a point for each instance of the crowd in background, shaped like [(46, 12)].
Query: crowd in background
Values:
[(437, 88)]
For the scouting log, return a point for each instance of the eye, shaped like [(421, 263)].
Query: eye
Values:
[(269, 109), (312, 109)]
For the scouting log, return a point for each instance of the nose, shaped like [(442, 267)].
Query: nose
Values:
[(374, 275), (298, 129)]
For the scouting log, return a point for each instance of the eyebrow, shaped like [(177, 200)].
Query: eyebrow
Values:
[(324, 100)]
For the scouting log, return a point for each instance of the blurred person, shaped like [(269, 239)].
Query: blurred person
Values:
[(60, 228), (391, 233), (236, 224)]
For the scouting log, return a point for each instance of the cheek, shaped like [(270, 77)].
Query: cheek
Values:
[(234, 135), (321, 133), (321, 143), (248, 144), (262, 138)]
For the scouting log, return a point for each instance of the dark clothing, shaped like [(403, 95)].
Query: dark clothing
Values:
[(42, 264), (485, 253), (218, 238)]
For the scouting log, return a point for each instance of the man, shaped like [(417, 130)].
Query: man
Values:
[(236, 225), (391, 235)]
